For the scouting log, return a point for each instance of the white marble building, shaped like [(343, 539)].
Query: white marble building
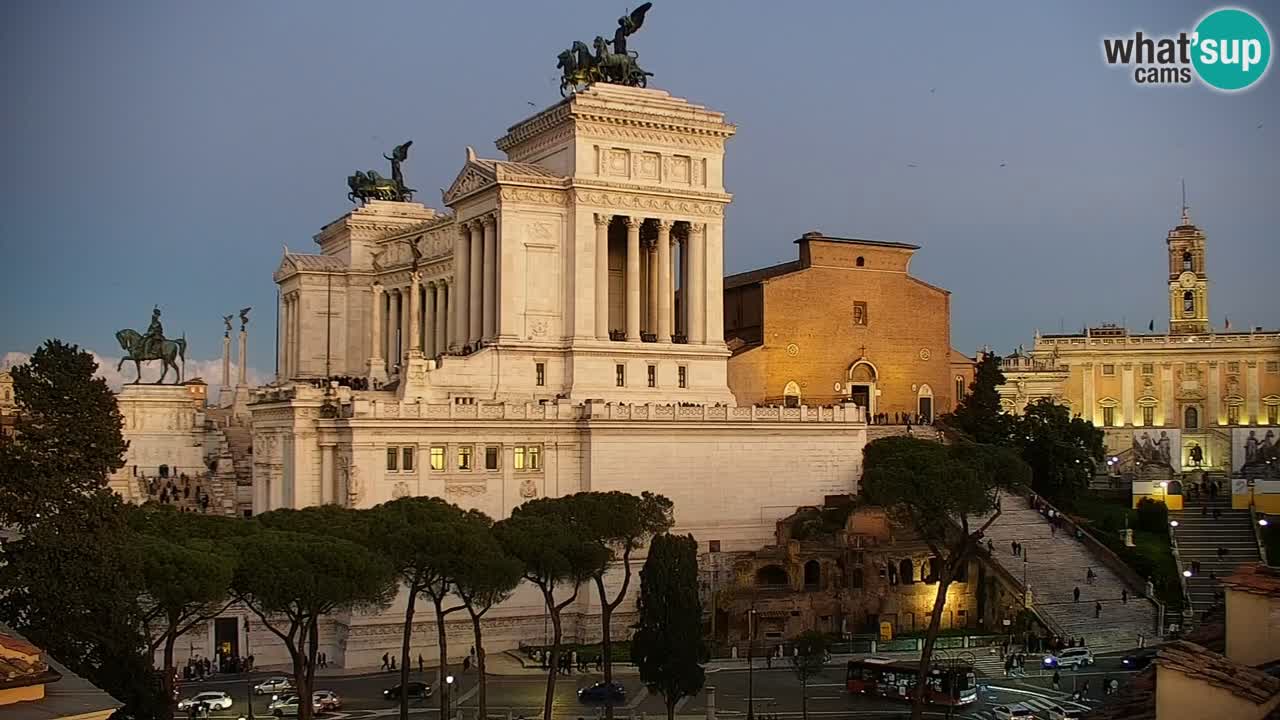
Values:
[(559, 329)]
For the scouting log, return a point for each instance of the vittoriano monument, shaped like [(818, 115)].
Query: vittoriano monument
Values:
[(612, 61), (372, 186), (152, 346)]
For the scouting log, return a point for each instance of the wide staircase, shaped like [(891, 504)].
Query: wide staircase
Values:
[(1199, 535), (1056, 564)]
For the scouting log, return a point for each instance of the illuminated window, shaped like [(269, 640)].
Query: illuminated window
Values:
[(1273, 414), (393, 457), (534, 453), (540, 374), (1108, 416), (1108, 369), (517, 457), (1233, 414), (653, 376), (682, 376), (959, 388), (406, 459), (1148, 415), (620, 374), (1191, 418), (437, 457), (492, 454), (1148, 369), (464, 457)]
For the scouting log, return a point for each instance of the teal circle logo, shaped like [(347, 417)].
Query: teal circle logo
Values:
[(1231, 49)]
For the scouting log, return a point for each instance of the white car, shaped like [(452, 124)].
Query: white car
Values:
[(1017, 711), (215, 701), (1057, 712), (279, 683), (285, 706), (1076, 657), (325, 700)]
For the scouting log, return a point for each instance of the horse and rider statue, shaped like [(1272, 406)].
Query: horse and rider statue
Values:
[(153, 345), (612, 62), (366, 186)]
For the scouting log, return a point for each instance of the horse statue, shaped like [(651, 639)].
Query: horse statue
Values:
[(619, 68), (372, 186), (166, 351), (579, 68)]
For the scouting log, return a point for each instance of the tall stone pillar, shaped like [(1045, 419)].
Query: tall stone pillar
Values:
[(489, 315), (415, 314), (1215, 395), (1089, 411), (633, 279), (697, 292), (377, 366), (602, 276), (664, 281), (286, 332), (403, 350), (328, 490), (475, 302), (1168, 408), (244, 357), (444, 317), (430, 317), (461, 287), (651, 289), (226, 359), (1251, 394), (1126, 393)]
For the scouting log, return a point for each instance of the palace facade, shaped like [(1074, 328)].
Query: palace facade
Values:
[(1200, 390)]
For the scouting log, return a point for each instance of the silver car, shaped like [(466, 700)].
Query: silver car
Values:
[(215, 701)]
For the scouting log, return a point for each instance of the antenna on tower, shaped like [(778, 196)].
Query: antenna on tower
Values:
[(1186, 214)]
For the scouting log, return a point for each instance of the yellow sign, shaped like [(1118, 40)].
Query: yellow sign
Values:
[(886, 631)]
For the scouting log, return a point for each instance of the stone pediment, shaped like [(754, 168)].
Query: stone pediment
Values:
[(291, 263), (474, 176)]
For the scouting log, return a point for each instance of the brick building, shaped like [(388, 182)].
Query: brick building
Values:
[(844, 322)]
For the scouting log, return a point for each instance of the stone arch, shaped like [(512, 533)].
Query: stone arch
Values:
[(791, 394), (1186, 260), (907, 571), (771, 575), (862, 377), (861, 261), (924, 403), (812, 574)]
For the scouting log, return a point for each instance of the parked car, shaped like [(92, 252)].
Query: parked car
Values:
[(1139, 659), (286, 706), (1016, 711), (281, 700), (326, 701), (215, 701), (275, 684), (414, 689), (602, 692), (1076, 657), (1057, 712)]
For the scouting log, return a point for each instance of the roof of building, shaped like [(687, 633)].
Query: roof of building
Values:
[(316, 263), (818, 235), (1220, 671), (1258, 579), (66, 695), (754, 276)]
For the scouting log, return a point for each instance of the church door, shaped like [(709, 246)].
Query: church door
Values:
[(860, 395), (926, 409)]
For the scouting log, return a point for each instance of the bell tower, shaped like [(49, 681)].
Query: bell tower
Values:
[(1188, 282)]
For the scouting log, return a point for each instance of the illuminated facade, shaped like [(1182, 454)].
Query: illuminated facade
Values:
[(1193, 385)]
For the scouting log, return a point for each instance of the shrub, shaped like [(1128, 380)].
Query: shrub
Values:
[(1152, 515)]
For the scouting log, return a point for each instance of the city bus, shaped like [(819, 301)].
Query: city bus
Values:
[(951, 684)]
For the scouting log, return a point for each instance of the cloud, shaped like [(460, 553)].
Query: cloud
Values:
[(208, 370)]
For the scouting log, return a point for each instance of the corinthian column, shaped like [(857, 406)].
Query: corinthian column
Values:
[(429, 315), (462, 287), (244, 354), (226, 359), (697, 291), (475, 301), (664, 281), (651, 289), (444, 317), (415, 314), (490, 313), (376, 368), (602, 276), (633, 279)]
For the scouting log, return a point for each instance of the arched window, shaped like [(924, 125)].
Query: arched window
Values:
[(771, 575), (959, 389), (812, 574), (1188, 303), (1190, 418), (1186, 260), (905, 569), (791, 395), (860, 261)]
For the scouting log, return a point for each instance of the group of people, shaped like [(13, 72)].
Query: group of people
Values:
[(187, 493), (355, 383), (207, 668), (568, 661), (900, 418)]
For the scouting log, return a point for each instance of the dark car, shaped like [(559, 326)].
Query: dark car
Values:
[(414, 689), (602, 692), (1139, 659)]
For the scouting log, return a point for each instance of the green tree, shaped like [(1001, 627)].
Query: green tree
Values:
[(978, 414), (290, 580), (425, 539), (67, 438), (557, 554), (1063, 451), (667, 645), (488, 577), (950, 495), (812, 654)]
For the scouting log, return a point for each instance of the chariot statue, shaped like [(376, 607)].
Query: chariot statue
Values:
[(365, 186), (153, 345), (612, 61)]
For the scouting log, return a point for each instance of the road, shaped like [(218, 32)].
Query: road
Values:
[(776, 692)]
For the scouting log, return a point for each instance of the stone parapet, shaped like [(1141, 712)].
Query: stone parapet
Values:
[(361, 408)]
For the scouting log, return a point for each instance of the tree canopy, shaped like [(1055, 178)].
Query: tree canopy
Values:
[(668, 646), (1063, 451), (978, 414)]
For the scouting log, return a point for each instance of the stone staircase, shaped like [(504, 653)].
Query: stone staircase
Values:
[(1054, 565), (1199, 535)]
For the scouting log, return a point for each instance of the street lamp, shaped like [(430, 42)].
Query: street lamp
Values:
[(1173, 523), (448, 694), (1186, 573), (1263, 522), (751, 665)]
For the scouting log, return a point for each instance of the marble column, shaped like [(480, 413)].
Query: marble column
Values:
[(389, 329), (226, 360), (404, 325), (633, 279), (1168, 407), (651, 306), (397, 323), (697, 284), (444, 317), (462, 287), (429, 315), (475, 301), (1215, 414), (1126, 393), (602, 276), (1251, 393), (289, 311), (327, 485), (664, 281), (376, 367), (490, 287), (242, 376), (1090, 410), (415, 314)]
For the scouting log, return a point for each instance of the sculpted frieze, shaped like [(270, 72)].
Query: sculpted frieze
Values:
[(533, 197), (626, 201)]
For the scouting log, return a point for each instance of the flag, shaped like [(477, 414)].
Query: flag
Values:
[(1151, 326), (1228, 322)]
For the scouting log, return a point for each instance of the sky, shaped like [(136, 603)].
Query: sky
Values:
[(165, 153)]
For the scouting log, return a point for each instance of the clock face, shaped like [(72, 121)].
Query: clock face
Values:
[(1187, 279)]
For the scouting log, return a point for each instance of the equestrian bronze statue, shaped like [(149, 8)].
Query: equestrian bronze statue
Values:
[(152, 346), (612, 61), (366, 186)]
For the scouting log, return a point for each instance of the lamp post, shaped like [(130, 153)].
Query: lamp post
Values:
[(448, 694), (248, 681), (751, 665)]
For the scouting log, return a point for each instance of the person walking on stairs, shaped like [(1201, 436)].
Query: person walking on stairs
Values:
[(1076, 593), (1097, 610)]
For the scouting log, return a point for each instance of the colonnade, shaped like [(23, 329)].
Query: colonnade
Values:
[(655, 260), (411, 319)]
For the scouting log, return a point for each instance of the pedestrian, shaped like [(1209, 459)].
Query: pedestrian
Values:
[(1008, 665), (1084, 689), (1222, 552), (1013, 548), (1089, 576), (1217, 513), (466, 663), (421, 664), (1142, 641), (1204, 510), (393, 663), (1097, 610), (1076, 593), (386, 661), (1124, 596), (1053, 530), (768, 661), (1057, 681)]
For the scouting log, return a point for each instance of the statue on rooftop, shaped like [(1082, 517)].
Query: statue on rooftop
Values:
[(612, 61)]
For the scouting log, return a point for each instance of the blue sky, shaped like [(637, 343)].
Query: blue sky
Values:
[(160, 152)]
